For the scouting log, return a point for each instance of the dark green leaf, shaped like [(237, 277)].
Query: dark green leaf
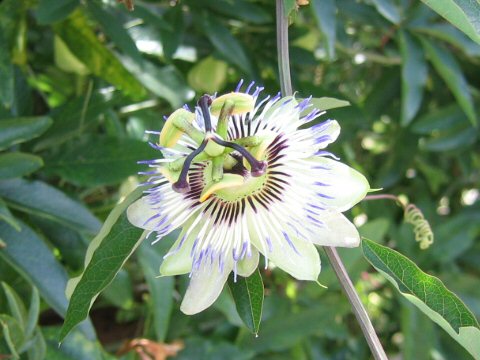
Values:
[(240, 9), (461, 13), (248, 296), (452, 74), (84, 44), (161, 289), (6, 215), (29, 255), (12, 335), (6, 74), (50, 11), (107, 253), (388, 9), (414, 76), (18, 130), (33, 312), (17, 164), (16, 306), (428, 293), (226, 44), (39, 198), (99, 160), (416, 329), (325, 13)]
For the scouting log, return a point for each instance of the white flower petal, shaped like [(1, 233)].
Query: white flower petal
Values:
[(338, 231), (302, 261), (247, 266), (205, 286), (139, 212), (346, 186)]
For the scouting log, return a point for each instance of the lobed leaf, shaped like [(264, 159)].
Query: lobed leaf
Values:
[(428, 293), (248, 296)]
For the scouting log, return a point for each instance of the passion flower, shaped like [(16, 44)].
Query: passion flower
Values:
[(241, 177)]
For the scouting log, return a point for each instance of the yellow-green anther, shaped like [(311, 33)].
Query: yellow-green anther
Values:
[(229, 162), (217, 170), (225, 113), (243, 103), (185, 124), (213, 149), (171, 133)]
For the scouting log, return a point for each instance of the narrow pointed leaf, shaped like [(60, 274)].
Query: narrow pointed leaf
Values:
[(17, 130), (17, 164), (325, 13), (105, 256), (448, 68), (428, 293), (461, 13), (44, 200), (248, 296), (388, 9), (414, 76)]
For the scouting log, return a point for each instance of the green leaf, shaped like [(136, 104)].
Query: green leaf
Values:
[(414, 76), (44, 200), (428, 293), (12, 334), (239, 9), (248, 296), (17, 164), (448, 68), (79, 37), (18, 130), (226, 44), (99, 160), (416, 329), (327, 103), (161, 289), (16, 306), (105, 256), (289, 6), (33, 312), (50, 11), (325, 13), (29, 255), (6, 75), (461, 13), (7, 216), (388, 9)]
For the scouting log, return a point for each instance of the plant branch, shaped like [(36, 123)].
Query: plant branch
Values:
[(337, 264)]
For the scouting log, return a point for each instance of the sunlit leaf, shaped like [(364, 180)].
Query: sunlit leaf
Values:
[(428, 293)]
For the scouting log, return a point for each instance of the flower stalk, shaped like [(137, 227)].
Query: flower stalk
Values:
[(332, 254)]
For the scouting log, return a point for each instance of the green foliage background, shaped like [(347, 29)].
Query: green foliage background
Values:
[(80, 82)]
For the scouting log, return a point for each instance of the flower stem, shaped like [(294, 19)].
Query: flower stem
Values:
[(357, 306), (337, 264), (282, 50)]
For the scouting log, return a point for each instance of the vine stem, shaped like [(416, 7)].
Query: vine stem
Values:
[(333, 256)]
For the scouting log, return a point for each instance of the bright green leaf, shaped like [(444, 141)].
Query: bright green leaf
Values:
[(44, 200), (414, 76), (99, 160), (17, 164), (18, 130), (448, 68), (248, 296), (84, 44), (461, 13), (106, 255), (428, 293)]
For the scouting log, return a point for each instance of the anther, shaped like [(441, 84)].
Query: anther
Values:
[(181, 185), (257, 167)]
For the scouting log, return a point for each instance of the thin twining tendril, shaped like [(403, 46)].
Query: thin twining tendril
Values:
[(414, 216)]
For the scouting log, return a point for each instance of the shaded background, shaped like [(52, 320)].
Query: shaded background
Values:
[(80, 82)]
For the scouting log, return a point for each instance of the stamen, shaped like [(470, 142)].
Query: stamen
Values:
[(182, 185), (258, 167), (204, 102)]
